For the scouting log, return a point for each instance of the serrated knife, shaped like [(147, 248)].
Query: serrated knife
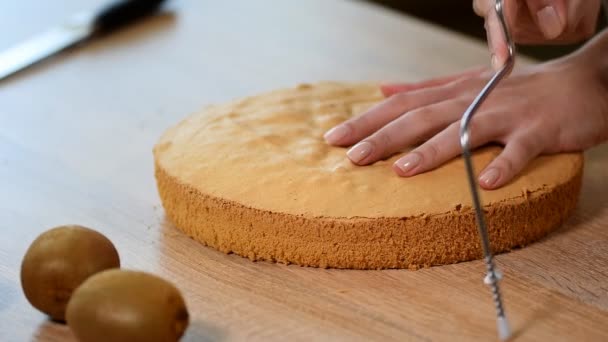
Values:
[(79, 28)]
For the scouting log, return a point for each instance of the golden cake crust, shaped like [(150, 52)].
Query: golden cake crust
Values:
[(229, 177)]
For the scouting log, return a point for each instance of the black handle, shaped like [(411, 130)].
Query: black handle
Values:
[(124, 12)]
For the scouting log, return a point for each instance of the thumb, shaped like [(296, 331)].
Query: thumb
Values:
[(496, 40), (510, 162), (550, 16)]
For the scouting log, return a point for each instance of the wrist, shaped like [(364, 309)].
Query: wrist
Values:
[(592, 62), (594, 54)]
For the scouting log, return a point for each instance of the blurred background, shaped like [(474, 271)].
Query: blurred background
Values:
[(458, 15)]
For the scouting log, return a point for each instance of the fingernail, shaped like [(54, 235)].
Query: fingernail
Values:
[(549, 22), (409, 162), (359, 151), (476, 8), (336, 134), (495, 62), (489, 177)]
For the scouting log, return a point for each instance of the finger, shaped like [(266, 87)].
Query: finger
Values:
[(446, 145), (496, 40), (407, 130), (494, 33), (550, 16), (481, 7), (355, 129), (389, 89), (517, 153)]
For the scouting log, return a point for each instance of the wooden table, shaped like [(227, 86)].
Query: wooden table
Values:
[(75, 147)]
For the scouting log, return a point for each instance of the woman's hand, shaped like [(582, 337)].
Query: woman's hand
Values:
[(554, 107), (538, 22)]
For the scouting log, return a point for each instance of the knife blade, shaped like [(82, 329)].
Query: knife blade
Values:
[(79, 28)]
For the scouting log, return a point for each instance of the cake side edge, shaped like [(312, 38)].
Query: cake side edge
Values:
[(361, 243)]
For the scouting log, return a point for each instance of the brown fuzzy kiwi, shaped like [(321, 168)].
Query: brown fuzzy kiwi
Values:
[(58, 261), (120, 305)]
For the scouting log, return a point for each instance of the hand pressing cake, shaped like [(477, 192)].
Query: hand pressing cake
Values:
[(255, 177)]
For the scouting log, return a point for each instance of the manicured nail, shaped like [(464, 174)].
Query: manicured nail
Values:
[(489, 177), (359, 151), (409, 162), (495, 62), (476, 8), (334, 135), (549, 22)]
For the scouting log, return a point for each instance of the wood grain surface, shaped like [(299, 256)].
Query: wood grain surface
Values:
[(76, 135)]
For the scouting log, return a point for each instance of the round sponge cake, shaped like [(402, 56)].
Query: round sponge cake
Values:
[(255, 177)]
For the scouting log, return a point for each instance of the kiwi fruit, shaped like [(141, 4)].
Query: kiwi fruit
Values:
[(120, 305), (58, 261)]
